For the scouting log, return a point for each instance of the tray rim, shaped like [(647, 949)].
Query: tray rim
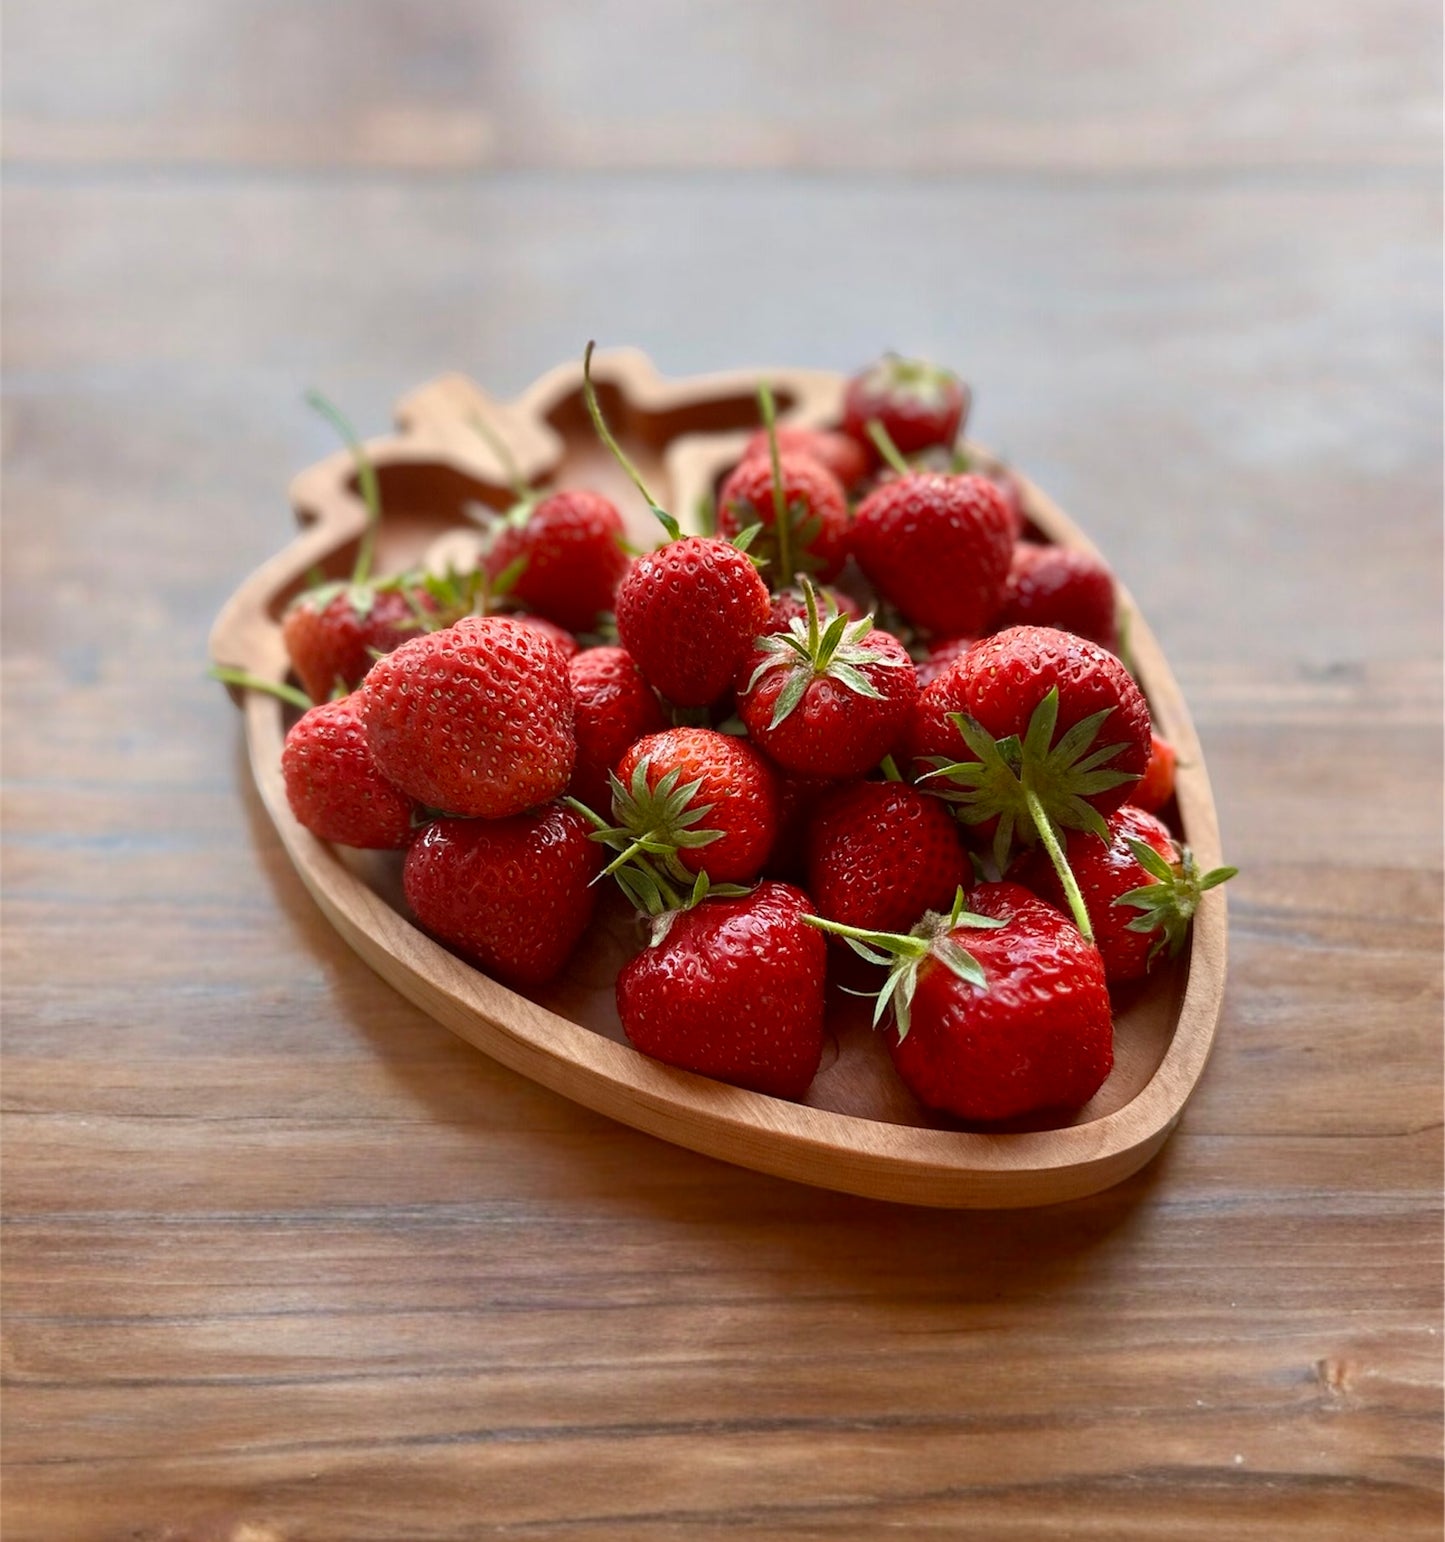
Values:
[(847, 1152)]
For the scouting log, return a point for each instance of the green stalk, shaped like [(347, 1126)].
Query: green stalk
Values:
[(239, 677), (1045, 826), (782, 523), (365, 474), (594, 411), (886, 447), (498, 446)]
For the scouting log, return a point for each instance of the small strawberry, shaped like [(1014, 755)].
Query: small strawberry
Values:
[(732, 989), (333, 785), (570, 547), (475, 720), (880, 854), (816, 512), (561, 639), (792, 605), (1048, 733), (828, 699), (688, 612), (994, 1013), (613, 707), (918, 404), (1061, 587), (937, 547), (938, 656), (1155, 788), (512, 895), (1141, 890), (694, 801), (844, 457)]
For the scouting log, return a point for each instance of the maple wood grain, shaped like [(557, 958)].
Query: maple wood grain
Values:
[(283, 1260)]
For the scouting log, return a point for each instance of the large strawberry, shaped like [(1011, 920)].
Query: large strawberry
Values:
[(333, 784), (734, 989), (613, 707), (475, 720), (1062, 587), (842, 455), (880, 854), (1141, 890), (814, 508), (694, 800), (828, 698), (937, 547), (566, 555), (688, 612), (917, 404), (513, 895), (996, 1012), (1046, 731)]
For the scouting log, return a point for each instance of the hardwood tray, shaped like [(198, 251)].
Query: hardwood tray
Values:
[(859, 1130)]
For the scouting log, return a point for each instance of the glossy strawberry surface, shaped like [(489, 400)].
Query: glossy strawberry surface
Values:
[(1155, 788), (613, 707), (842, 455), (512, 895), (816, 506), (734, 989), (918, 404), (333, 784), (1061, 587), (475, 719), (333, 634), (573, 556), (1038, 1036)]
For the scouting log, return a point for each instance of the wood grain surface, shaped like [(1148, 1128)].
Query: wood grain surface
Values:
[(283, 1260)]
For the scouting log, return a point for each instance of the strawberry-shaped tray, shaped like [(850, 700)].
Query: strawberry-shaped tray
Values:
[(859, 1129)]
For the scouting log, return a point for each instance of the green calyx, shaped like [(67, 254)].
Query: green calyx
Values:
[(834, 648), (1034, 787), (1168, 902), (917, 379), (902, 955)]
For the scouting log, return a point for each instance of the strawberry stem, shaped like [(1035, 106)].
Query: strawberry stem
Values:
[(594, 411), (498, 446), (886, 447), (365, 476), (249, 682), (781, 520), (1047, 834)]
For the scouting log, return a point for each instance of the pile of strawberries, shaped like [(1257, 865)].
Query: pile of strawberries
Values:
[(868, 718)]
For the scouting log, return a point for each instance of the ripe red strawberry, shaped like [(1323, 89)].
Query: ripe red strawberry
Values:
[(333, 785), (1062, 587), (613, 707), (938, 548), (792, 604), (571, 555), (561, 639), (844, 457), (1155, 788), (939, 656), (334, 631), (475, 720), (827, 700), (1013, 497), (695, 801), (513, 895), (797, 798), (733, 989), (1141, 890), (880, 854), (918, 404), (1047, 732), (817, 512), (990, 1021)]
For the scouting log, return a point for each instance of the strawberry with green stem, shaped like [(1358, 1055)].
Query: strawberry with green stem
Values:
[(1029, 708), (919, 404), (827, 697), (992, 1012), (797, 500), (689, 611)]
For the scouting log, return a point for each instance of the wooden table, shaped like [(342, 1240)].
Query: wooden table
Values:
[(284, 1260)]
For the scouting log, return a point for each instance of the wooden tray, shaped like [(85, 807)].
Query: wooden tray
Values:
[(860, 1130)]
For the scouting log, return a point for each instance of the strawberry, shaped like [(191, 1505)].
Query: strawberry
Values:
[(734, 989), (1049, 731), (917, 404), (844, 457), (938, 656), (817, 512), (827, 700), (613, 707), (797, 797), (1141, 890), (333, 785), (688, 612), (792, 604), (333, 632), (475, 720), (996, 1013), (512, 895), (1062, 587), (562, 640), (570, 547), (880, 854), (695, 801), (937, 547), (1155, 788)]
